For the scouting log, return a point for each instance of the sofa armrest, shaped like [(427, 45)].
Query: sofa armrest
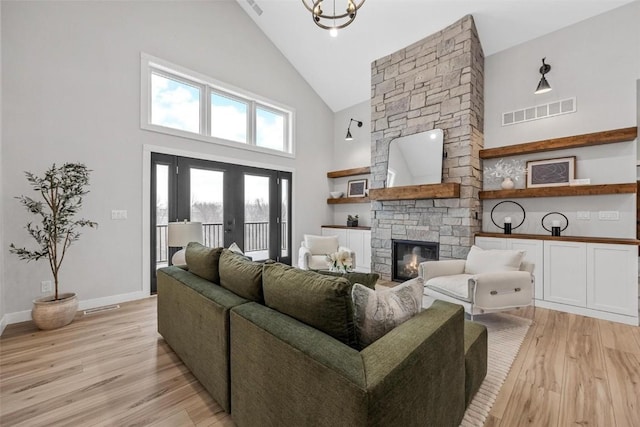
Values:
[(303, 258), (430, 269), (502, 289), (419, 364)]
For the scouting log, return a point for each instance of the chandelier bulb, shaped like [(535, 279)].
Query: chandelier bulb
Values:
[(333, 32)]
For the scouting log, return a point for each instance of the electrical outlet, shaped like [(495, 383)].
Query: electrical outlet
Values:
[(609, 215), (583, 215), (118, 214), (46, 286)]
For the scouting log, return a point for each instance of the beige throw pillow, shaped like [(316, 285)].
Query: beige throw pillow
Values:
[(321, 245), (378, 312), (492, 260)]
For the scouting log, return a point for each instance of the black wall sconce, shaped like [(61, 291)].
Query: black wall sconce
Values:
[(555, 224), (543, 86), (508, 226), (349, 137)]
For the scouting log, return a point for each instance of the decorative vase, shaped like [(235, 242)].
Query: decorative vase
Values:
[(507, 183), (353, 223), (48, 313)]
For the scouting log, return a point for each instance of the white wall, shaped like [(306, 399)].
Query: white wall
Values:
[(598, 62), (2, 242), (351, 154), (71, 80)]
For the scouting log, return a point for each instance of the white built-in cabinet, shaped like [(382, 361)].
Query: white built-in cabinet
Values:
[(593, 279), (356, 239)]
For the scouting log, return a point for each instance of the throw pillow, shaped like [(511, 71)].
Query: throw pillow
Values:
[(203, 261), (320, 301), (378, 312), (235, 248), (487, 261), (321, 245), (367, 279), (241, 276)]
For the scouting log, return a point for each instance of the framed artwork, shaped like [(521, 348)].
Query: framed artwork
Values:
[(357, 188), (551, 172)]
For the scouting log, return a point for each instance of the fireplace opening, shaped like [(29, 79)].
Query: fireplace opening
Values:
[(407, 256)]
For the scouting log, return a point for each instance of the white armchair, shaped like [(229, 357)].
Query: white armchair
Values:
[(488, 281), (314, 250)]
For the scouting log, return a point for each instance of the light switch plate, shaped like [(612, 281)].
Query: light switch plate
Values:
[(118, 214), (583, 215), (609, 215)]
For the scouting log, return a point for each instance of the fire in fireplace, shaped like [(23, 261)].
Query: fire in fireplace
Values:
[(407, 256)]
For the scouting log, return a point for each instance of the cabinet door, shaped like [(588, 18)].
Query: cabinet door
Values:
[(612, 279), (365, 265), (491, 243), (565, 272), (341, 233), (355, 242), (533, 254)]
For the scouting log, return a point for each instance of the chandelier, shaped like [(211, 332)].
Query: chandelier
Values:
[(330, 20)]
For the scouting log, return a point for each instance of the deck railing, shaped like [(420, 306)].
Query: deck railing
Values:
[(256, 237)]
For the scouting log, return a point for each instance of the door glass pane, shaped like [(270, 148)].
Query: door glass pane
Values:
[(256, 217), (228, 118), (270, 129), (284, 218), (206, 204), (162, 214), (175, 104)]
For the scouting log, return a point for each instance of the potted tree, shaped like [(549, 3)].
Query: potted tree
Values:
[(61, 190)]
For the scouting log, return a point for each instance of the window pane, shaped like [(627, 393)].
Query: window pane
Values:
[(270, 129), (162, 214), (256, 216), (206, 204), (228, 118), (174, 104), (284, 216)]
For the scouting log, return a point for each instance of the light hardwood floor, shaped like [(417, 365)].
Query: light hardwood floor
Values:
[(113, 369)]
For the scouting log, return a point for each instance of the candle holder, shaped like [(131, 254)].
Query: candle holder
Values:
[(555, 224), (508, 226)]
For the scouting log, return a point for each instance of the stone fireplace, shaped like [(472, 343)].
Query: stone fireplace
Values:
[(407, 256), (436, 82)]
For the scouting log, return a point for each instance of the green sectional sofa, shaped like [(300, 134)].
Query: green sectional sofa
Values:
[(277, 349)]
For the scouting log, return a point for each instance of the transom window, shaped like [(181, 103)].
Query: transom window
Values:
[(183, 103)]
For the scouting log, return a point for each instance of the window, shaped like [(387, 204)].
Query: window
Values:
[(174, 102)]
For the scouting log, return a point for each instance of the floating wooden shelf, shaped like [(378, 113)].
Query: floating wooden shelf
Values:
[(597, 138), (345, 200), (347, 228), (562, 238), (564, 191), (349, 172), (414, 192)]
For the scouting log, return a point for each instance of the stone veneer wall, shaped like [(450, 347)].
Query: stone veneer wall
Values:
[(434, 83)]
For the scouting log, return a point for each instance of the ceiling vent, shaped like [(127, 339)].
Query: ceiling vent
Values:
[(255, 7), (556, 108)]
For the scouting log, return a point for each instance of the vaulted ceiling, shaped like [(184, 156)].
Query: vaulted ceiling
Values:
[(339, 68)]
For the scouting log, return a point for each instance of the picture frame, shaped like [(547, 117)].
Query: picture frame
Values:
[(551, 172), (357, 188)]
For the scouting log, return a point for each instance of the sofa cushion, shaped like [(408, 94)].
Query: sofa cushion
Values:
[(475, 358), (378, 312), (321, 245), (486, 261), (367, 279), (241, 276), (203, 261), (323, 302)]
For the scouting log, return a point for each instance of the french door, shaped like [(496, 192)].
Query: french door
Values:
[(236, 204)]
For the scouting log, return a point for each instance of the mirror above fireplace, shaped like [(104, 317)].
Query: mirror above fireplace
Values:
[(415, 159)]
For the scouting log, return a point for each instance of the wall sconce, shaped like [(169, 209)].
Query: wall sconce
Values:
[(543, 86), (507, 219), (349, 137), (555, 224)]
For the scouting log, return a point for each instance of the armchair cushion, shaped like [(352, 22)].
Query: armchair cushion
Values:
[(377, 313), (484, 261), (456, 285), (321, 245)]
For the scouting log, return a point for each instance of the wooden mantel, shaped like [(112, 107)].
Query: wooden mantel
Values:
[(447, 190)]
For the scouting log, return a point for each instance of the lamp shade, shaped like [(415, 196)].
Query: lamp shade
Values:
[(181, 233)]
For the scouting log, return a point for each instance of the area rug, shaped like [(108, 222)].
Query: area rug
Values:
[(506, 334)]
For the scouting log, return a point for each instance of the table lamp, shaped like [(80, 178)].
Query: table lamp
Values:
[(180, 234)]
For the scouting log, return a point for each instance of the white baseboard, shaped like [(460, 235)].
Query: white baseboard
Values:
[(23, 316), (620, 318)]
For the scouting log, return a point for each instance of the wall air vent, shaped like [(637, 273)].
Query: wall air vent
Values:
[(556, 108)]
